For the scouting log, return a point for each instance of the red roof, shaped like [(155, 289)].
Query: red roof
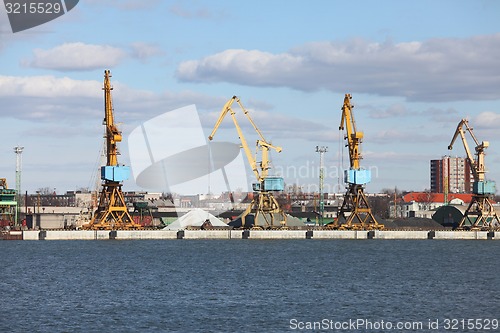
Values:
[(436, 197)]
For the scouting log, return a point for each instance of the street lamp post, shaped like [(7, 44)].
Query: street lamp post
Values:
[(18, 150), (321, 150)]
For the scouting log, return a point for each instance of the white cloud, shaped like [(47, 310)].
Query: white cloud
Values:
[(45, 98), (144, 51), (76, 56), (272, 124), (433, 70), (395, 110), (487, 120), (240, 66), (438, 115), (47, 86), (411, 137)]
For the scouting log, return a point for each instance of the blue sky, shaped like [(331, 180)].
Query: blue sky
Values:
[(414, 68)]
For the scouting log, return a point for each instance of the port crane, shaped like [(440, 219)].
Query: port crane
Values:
[(355, 208), (480, 214), (266, 210), (112, 212)]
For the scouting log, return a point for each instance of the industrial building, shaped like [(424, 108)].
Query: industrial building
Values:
[(8, 204), (424, 204)]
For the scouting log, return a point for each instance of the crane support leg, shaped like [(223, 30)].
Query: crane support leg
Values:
[(112, 212), (480, 215), (361, 216), (267, 212)]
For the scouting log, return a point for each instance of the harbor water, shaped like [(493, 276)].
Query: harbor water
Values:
[(249, 285)]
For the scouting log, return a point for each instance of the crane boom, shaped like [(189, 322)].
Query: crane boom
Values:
[(477, 165), (354, 138), (225, 110), (113, 135), (262, 143)]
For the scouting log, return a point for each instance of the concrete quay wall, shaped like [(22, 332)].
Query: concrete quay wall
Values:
[(205, 234), (275, 234), (464, 235), (145, 234), (30, 234), (98, 234), (339, 234), (65, 234), (401, 234), (255, 234)]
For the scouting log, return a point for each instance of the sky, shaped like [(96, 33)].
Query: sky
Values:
[(414, 69)]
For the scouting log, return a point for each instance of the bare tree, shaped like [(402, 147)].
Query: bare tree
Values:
[(45, 190), (426, 198)]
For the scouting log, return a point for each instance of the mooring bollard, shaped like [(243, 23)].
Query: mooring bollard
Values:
[(245, 234)]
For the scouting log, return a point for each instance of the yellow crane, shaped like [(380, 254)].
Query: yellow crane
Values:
[(355, 208), (264, 206), (480, 214), (112, 212)]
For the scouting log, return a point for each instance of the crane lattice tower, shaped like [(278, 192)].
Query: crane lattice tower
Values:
[(112, 212), (355, 208)]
